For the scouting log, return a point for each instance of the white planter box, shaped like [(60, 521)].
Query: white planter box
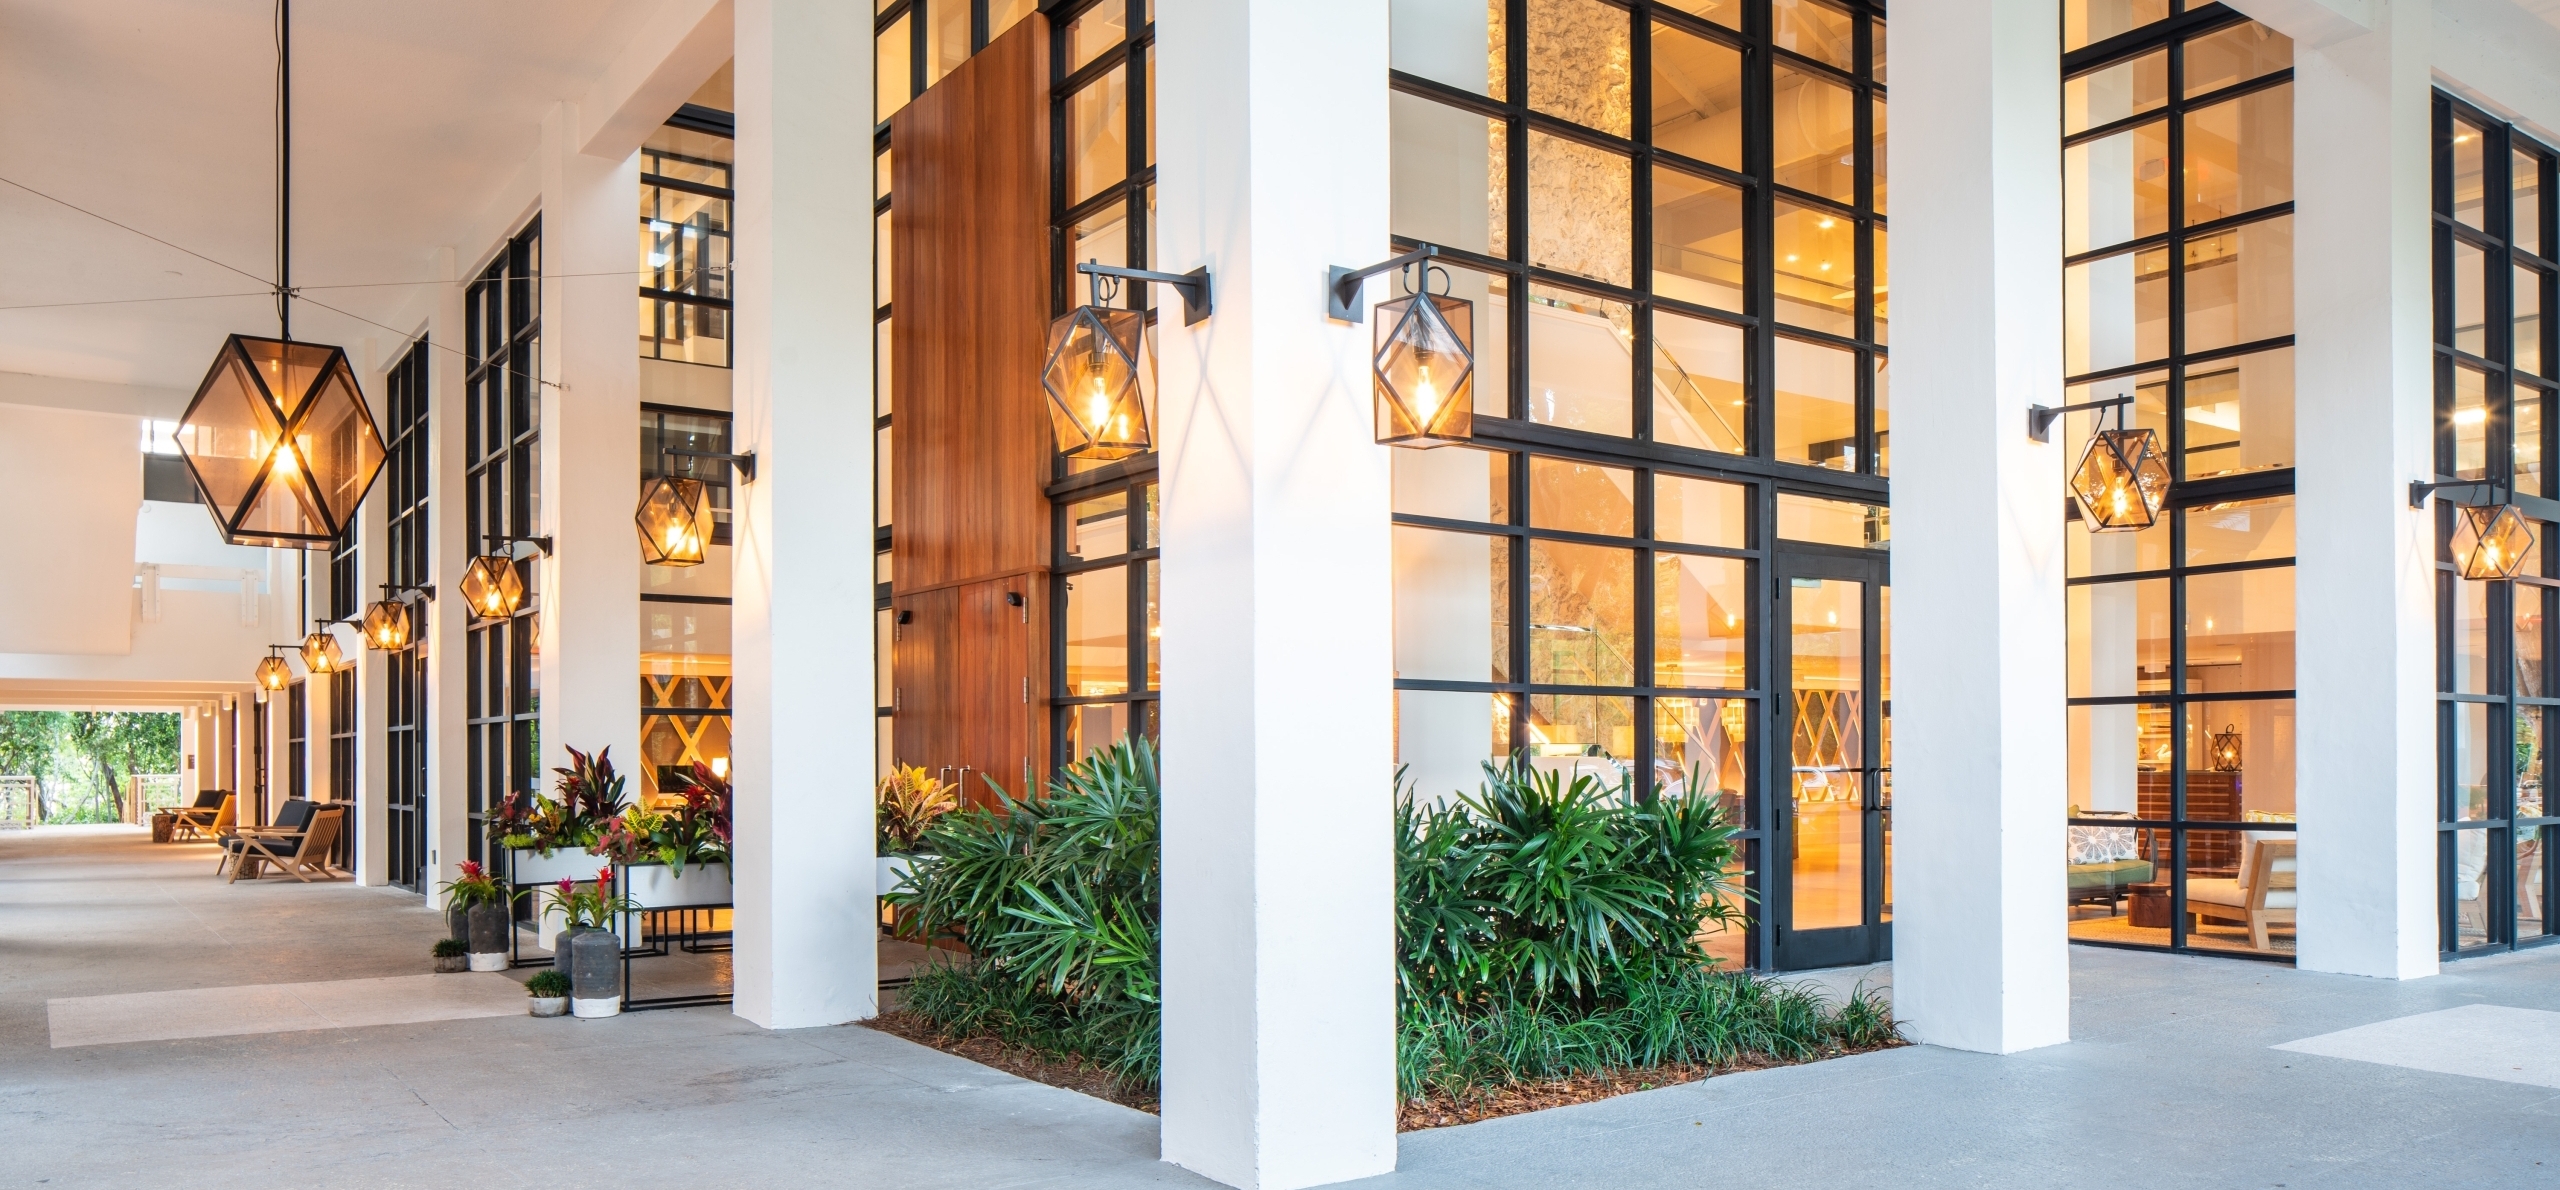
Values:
[(533, 870), (656, 886)]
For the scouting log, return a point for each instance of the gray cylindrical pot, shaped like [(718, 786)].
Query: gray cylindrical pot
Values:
[(595, 971), (487, 941), (458, 921)]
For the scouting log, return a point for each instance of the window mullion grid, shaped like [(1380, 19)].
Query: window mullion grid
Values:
[(1758, 232), (1515, 150), (2175, 114), (1641, 274), (1862, 250)]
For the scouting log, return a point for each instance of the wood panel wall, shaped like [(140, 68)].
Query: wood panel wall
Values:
[(969, 299)]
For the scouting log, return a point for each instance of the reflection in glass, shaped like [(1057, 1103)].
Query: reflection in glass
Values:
[(2239, 630), (1813, 29), (2527, 443), (2470, 760), (1446, 171), (1883, 403), (1697, 97), (1817, 404), (1581, 615), (1705, 737), (1699, 617), (1813, 134), (891, 70), (1827, 750), (2470, 422), (1875, 144), (1453, 482), (2471, 637), (1444, 738), (2239, 531), (1579, 373), (1697, 384), (2532, 613), (2089, 554)]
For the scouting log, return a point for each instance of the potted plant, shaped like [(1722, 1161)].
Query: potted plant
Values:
[(678, 858), (549, 834), (450, 956), (909, 800), (485, 907), (547, 994), (590, 948)]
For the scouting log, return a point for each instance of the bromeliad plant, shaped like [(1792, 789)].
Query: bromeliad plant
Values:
[(589, 794), (591, 907), (695, 833), (478, 886), (909, 801)]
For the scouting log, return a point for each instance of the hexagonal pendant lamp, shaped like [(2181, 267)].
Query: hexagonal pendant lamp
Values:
[(278, 437)]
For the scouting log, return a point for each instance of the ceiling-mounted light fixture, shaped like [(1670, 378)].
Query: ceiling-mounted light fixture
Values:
[(274, 673), (1422, 370), (674, 518), (2222, 755), (320, 651), (1092, 377), (2491, 539), (493, 585), (278, 437), (2122, 481), (386, 620)]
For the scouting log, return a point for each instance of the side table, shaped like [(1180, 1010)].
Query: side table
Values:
[(2150, 905)]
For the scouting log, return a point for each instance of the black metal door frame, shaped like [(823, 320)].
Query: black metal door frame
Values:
[(1871, 941)]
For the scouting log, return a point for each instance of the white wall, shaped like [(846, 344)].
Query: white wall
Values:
[(76, 478)]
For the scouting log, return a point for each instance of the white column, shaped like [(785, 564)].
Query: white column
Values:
[(1979, 952), (2366, 652), (1279, 1025), (807, 922), (371, 794), (590, 452), (447, 649)]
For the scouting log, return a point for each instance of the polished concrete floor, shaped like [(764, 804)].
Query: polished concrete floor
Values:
[(2175, 1078)]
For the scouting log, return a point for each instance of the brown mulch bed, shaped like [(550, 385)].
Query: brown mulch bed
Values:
[(1020, 1061)]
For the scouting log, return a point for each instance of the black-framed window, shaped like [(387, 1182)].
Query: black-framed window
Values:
[(685, 611), (916, 42), (686, 191), (297, 740), (344, 577), (1103, 594), (407, 562), (502, 484), (2494, 369), (2178, 298)]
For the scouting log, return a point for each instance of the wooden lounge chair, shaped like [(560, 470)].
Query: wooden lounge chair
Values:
[(208, 818), (2265, 896), (298, 845)]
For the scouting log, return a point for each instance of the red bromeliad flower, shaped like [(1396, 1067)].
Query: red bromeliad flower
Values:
[(604, 878), (470, 870), (567, 886)]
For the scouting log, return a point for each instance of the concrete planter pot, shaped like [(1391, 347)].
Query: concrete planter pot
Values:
[(486, 929), (656, 886), (593, 959), (547, 1005), (457, 921), (447, 966)]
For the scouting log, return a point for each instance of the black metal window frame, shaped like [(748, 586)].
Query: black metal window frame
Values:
[(918, 14), (1139, 566), (2504, 831), (685, 286), (344, 580), (407, 561), (655, 438), (297, 740), (502, 429)]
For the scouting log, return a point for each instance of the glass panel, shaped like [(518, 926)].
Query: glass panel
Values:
[(2241, 531), (1097, 632), (1459, 43), (1578, 64), (1875, 43), (882, 389), (2116, 752), (1876, 155), (1099, 238), (1699, 618), (2532, 612), (1580, 375), (1705, 737), (2240, 155), (2470, 637), (2470, 423), (883, 256), (1813, 134), (2092, 555), (1827, 750), (1881, 295), (1817, 31), (2471, 887), (1454, 482), (2122, 91), (2086, 22), (1698, 511), (2240, 414), (2528, 322), (1565, 727), (2529, 848), (1697, 97), (2235, 55), (1444, 738), (1581, 497), (2118, 638), (1817, 405), (2116, 188), (2469, 187), (1098, 135), (1098, 528), (1832, 522), (1490, 294), (2240, 285), (1155, 623), (2240, 630), (2470, 760), (2525, 222), (1581, 615), (891, 71), (946, 42), (1581, 209), (881, 486), (1883, 407), (2115, 311), (1697, 384), (1100, 27), (1154, 517), (2527, 442), (1092, 728), (1727, 13), (1001, 14), (1697, 240), (1817, 269), (2240, 756), (1447, 175)]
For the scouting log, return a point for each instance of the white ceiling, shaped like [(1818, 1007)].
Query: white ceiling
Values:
[(409, 120)]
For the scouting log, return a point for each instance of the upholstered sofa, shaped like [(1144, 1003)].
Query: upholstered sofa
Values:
[(2105, 861)]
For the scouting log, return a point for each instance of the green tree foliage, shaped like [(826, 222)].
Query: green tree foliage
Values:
[(81, 759)]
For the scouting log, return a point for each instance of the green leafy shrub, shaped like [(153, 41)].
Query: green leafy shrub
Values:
[(449, 948), (547, 983)]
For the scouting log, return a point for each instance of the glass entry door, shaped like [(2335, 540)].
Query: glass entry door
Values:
[(1829, 887)]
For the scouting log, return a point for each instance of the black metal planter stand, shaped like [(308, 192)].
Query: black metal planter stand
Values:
[(693, 931)]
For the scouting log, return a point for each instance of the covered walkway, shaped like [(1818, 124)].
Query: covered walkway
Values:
[(2174, 1078)]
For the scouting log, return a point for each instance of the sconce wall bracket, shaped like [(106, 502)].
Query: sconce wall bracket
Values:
[(745, 463), (2470, 493), (1193, 285), (2040, 419), (1342, 286)]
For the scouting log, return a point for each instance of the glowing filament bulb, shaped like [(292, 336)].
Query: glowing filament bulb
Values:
[(284, 458), (1100, 400), (1426, 395)]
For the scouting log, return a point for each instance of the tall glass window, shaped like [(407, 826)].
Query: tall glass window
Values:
[(2494, 357), (501, 498), (344, 604), (406, 563), (684, 611), (2178, 299), (685, 195)]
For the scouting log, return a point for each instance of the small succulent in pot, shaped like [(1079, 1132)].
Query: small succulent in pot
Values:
[(451, 955), (547, 993)]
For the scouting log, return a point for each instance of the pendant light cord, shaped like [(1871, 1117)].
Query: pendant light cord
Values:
[(284, 170)]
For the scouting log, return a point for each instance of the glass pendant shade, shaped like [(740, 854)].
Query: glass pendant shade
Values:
[(1736, 717), (386, 625), (675, 522), (1425, 370), (2223, 754), (280, 442), (1095, 403), (492, 587), (2121, 481), (274, 674), (2490, 541), (320, 653)]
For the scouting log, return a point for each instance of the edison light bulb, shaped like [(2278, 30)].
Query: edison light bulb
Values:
[(2120, 495), (284, 458), (1426, 396), (1101, 399)]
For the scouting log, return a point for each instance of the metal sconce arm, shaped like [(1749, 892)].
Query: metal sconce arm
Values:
[(1342, 286), (2040, 419), (542, 543), (745, 463), (2470, 493), (1193, 285)]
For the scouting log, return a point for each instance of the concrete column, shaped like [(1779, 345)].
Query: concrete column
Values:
[(1279, 1027), (372, 794), (2366, 650), (801, 567), (1980, 959), (589, 632), (447, 651)]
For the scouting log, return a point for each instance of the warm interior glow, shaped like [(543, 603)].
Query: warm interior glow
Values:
[(1426, 395)]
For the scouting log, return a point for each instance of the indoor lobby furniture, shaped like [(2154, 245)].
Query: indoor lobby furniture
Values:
[(2262, 896)]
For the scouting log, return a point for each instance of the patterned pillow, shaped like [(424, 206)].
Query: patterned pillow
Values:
[(2102, 844)]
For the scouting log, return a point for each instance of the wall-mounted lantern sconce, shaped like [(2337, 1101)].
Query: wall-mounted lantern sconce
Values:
[(2223, 753), (274, 673), (1423, 369), (386, 620), (2492, 539), (675, 513), (320, 652), (2122, 480), (490, 585), (1097, 406)]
